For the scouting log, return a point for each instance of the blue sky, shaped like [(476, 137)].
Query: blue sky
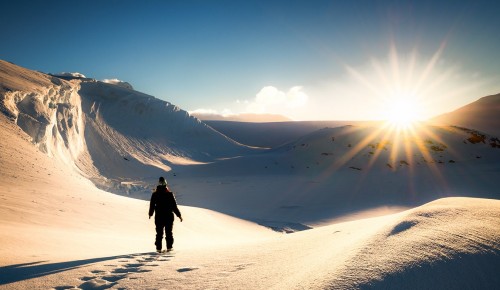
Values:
[(308, 60)]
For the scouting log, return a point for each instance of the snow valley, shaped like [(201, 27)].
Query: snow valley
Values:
[(365, 204)]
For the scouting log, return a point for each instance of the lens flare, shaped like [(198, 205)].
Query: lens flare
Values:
[(402, 113)]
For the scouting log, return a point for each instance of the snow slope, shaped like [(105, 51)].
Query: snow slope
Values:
[(47, 196), (448, 244), (133, 138), (59, 232), (482, 115)]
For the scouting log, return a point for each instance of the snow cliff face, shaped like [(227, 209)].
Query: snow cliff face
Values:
[(51, 115), (113, 135)]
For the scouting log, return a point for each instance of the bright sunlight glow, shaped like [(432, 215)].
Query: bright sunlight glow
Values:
[(402, 112)]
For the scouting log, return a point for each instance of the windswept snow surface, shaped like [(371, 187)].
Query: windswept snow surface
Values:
[(59, 232), (54, 220)]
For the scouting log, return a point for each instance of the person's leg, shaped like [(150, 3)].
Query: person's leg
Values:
[(169, 237), (159, 234)]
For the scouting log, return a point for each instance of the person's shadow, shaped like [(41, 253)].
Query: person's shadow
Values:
[(25, 271)]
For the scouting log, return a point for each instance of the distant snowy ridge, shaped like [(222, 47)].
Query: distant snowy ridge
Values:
[(482, 115), (370, 148)]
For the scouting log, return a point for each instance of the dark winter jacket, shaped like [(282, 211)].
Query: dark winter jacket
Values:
[(163, 203)]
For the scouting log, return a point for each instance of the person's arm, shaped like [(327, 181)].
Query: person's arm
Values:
[(152, 204), (174, 207)]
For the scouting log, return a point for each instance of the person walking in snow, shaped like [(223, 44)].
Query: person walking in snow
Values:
[(164, 204)]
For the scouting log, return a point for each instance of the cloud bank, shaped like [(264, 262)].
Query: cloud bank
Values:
[(271, 99), (269, 105)]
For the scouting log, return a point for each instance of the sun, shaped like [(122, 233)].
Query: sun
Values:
[(402, 112)]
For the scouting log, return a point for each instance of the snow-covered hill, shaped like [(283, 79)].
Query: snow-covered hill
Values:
[(272, 134), (351, 170), (482, 115), (375, 148), (119, 138), (59, 232), (132, 138)]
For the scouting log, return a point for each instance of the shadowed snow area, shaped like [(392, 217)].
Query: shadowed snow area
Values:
[(367, 207)]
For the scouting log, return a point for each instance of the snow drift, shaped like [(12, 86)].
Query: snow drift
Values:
[(59, 232), (65, 234)]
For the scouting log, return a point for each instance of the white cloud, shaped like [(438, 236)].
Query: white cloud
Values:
[(227, 112), (296, 97), (268, 101), (270, 96), (70, 74), (118, 83), (271, 100)]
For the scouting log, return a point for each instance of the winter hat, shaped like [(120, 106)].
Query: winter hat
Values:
[(162, 181)]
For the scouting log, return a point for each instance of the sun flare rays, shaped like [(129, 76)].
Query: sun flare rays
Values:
[(404, 89), (389, 148)]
